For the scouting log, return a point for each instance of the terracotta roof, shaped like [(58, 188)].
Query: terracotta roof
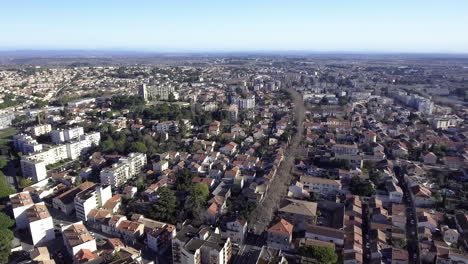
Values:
[(283, 227), (84, 255)]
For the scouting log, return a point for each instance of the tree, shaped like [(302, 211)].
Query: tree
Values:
[(199, 193), (165, 207), (6, 221), (138, 147), (108, 145), (184, 180), (3, 162), (171, 97), (323, 254), (5, 189), (361, 187), (6, 236), (24, 182)]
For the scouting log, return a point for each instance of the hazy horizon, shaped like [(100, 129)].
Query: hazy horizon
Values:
[(361, 26)]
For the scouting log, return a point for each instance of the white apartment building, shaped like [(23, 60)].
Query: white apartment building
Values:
[(167, 126), (5, 120), (41, 225), (34, 165), (245, 103), (66, 135), (77, 237), (20, 202), (321, 186), (41, 129), (200, 246), (78, 147), (156, 91), (91, 198), (26, 144), (119, 173)]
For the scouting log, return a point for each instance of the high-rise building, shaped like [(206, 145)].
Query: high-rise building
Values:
[(119, 173), (156, 92), (91, 198), (66, 135), (41, 129), (26, 144)]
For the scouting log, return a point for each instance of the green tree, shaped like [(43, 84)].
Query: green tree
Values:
[(108, 145), (138, 147), (6, 236), (171, 97), (3, 162), (361, 187), (5, 189), (6, 221), (165, 207), (323, 254), (199, 193), (184, 180), (24, 182)]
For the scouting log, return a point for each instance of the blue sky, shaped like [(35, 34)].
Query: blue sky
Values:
[(237, 25)]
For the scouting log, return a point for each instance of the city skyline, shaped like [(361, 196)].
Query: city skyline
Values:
[(305, 26)]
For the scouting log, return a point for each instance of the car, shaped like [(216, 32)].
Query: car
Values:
[(412, 221)]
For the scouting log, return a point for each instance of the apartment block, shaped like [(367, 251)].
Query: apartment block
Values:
[(41, 225), (120, 172), (41, 129), (76, 237), (20, 202), (91, 198), (202, 246)]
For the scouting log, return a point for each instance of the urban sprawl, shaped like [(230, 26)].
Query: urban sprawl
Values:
[(235, 160)]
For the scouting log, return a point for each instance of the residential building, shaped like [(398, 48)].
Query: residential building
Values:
[(126, 168), (91, 198), (321, 186), (66, 135), (20, 202), (326, 234), (301, 213), (201, 246), (41, 225), (280, 235), (65, 202), (156, 91), (76, 237), (40, 130)]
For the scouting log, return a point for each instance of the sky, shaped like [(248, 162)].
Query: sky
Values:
[(421, 26)]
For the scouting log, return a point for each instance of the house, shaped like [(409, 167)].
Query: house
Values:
[(426, 220), (453, 163), (236, 230), (450, 235), (321, 186), (430, 158), (280, 235), (422, 196), (395, 193), (229, 148), (130, 230), (301, 213), (326, 234)]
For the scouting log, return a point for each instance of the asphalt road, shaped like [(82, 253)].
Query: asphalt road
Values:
[(263, 213)]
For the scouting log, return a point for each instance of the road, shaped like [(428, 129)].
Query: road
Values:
[(263, 214), (412, 240)]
